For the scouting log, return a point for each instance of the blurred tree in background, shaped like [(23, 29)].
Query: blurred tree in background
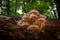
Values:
[(19, 7), (8, 7)]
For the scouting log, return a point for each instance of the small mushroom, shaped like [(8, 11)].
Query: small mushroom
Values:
[(19, 23), (33, 17), (25, 24), (34, 12), (25, 18), (33, 29), (40, 22)]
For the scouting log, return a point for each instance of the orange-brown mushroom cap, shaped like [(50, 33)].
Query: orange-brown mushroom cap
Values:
[(32, 29), (19, 23), (34, 12), (25, 24), (25, 18), (33, 17)]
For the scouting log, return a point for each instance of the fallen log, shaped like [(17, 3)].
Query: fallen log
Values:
[(9, 28)]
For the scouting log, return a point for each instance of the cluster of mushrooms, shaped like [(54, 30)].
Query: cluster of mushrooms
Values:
[(32, 22)]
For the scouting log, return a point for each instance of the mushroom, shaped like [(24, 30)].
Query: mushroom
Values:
[(25, 24), (33, 29), (40, 22), (19, 23), (25, 18), (34, 12), (33, 17), (32, 22)]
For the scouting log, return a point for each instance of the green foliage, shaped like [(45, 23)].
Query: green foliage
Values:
[(41, 5)]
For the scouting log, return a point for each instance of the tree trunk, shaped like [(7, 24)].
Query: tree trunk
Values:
[(57, 2), (8, 3)]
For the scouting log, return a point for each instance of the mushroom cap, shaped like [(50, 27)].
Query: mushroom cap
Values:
[(22, 23), (19, 23), (42, 16), (34, 12), (25, 17), (25, 24), (33, 17), (33, 29), (40, 21)]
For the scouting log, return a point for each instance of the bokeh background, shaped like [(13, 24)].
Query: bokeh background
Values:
[(20, 7)]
